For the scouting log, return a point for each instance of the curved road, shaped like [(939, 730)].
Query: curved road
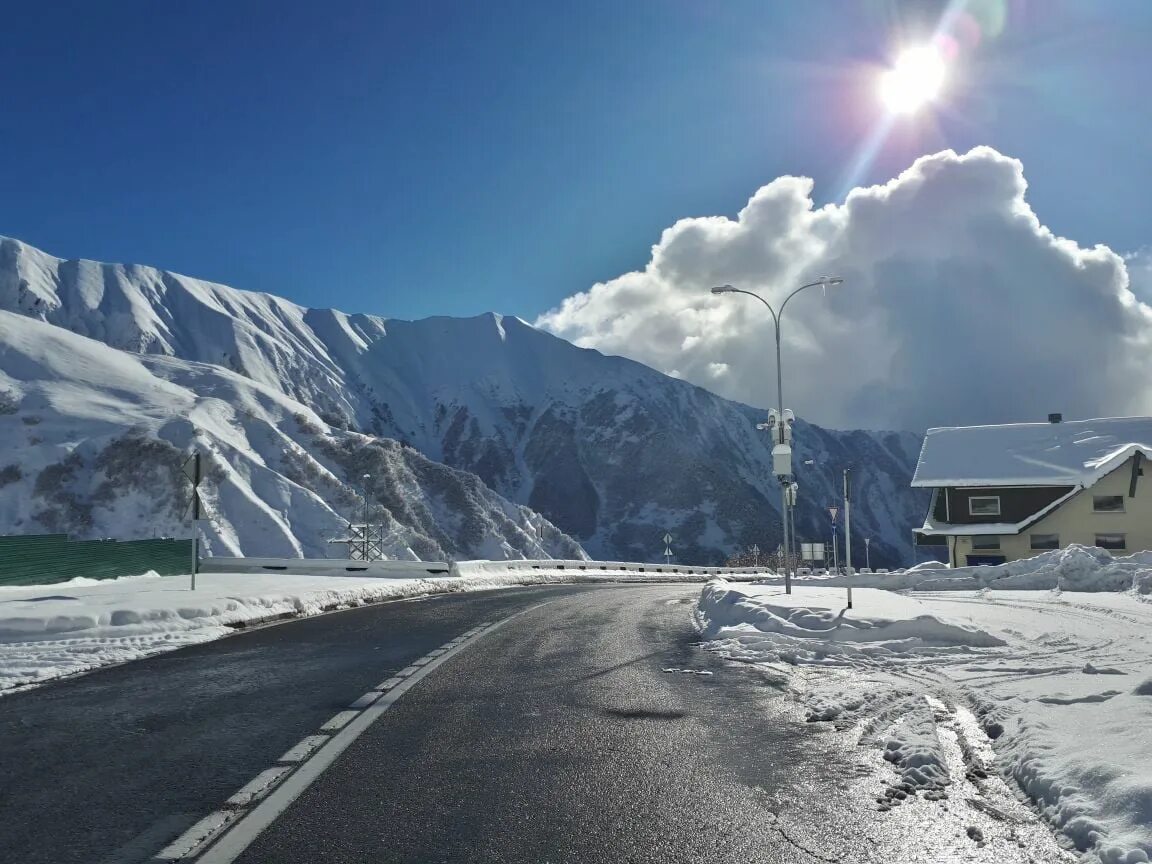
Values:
[(555, 735)]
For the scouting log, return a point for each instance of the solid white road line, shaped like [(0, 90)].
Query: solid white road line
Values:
[(238, 837)]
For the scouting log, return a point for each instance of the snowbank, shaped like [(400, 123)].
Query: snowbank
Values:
[(1053, 686), (1074, 568)]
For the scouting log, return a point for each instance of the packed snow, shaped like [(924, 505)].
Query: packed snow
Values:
[(1076, 452), (1049, 690)]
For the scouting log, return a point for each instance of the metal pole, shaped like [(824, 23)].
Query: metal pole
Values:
[(848, 517), (783, 486), (835, 549), (364, 489), (792, 522), (868, 552), (195, 517), (848, 530)]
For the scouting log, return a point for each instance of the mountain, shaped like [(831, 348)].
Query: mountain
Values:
[(97, 438), (613, 453)]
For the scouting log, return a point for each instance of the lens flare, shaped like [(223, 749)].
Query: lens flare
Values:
[(915, 80)]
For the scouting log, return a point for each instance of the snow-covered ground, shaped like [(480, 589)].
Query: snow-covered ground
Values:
[(47, 631), (1050, 690)]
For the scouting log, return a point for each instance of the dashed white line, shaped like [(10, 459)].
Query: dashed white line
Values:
[(365, 700), (196, 836), (304, 749), (259, 786), (339, 721), (390, 683), (229, 844)]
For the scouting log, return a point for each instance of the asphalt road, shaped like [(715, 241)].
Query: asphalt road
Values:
[(557, 736), (107, 767)]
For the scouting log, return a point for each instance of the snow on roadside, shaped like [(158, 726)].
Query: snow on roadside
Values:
[(1056, 687), (1073, 568), (49, 631)]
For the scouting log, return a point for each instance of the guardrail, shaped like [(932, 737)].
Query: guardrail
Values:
[(401, 569), (325, 567)]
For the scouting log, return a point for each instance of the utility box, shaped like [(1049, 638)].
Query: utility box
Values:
[(782, 460)]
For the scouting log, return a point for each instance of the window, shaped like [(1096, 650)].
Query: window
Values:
[(988, 541), (1110, 541), (1045, 541), (1107, 504), (984, 505)]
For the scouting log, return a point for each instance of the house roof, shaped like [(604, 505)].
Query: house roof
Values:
[(1075, 453)]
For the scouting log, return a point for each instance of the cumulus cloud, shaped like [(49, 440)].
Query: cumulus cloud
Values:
[(958, 305)]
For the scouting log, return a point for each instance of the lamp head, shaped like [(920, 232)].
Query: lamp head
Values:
[(723, 289)]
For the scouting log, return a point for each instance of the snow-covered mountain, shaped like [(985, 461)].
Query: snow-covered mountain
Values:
[(612, 452), (95, 440)]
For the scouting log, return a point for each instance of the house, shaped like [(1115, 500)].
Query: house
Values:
[(1000, 493)]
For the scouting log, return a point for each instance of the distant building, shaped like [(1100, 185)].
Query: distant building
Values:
[(1001, 493)]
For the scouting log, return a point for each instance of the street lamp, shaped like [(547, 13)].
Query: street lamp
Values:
[(781, 443)]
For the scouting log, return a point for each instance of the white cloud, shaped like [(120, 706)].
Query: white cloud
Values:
[(958, 306)]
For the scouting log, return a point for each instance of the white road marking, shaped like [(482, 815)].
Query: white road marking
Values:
[(139, 847), (390, 683), (304, 749), (423, 660), (339, 721), (407, 670), (240, 835), (365, 700), (196, 836), (259, 786)]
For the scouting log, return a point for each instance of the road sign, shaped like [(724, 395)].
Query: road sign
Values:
[(667, 539), (755, 549), (833, 512)]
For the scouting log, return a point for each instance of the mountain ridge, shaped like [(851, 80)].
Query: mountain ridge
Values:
[(611, 451)]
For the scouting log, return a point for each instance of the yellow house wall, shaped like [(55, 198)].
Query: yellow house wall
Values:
[(1075, 521)]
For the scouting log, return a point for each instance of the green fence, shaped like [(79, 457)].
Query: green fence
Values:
[(41, 559)]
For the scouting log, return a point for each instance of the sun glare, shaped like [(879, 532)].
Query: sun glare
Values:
[(915, 80)]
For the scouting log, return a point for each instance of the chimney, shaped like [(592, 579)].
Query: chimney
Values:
[(1055, 418)]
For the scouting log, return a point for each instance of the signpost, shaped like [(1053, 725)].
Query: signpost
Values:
[(192, 472), (834, 512), (667, 549)]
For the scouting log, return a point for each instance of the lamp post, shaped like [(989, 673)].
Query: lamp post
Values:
[(781, 443), (868, 553)]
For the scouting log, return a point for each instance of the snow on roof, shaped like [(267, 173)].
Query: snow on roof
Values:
[(1077, 453)]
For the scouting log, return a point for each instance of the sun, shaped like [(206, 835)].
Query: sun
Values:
[(915, 80)]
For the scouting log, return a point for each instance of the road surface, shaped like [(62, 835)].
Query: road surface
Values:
[(558, 735)]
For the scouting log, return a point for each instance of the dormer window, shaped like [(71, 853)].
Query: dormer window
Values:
[(984, 505)]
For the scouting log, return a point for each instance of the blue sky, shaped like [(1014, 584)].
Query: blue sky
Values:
[(411, 159)]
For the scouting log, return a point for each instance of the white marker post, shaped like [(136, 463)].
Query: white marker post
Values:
[(667, 550)]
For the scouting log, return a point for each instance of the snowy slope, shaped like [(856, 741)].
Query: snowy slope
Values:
[(612, 452), (95, 438)]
